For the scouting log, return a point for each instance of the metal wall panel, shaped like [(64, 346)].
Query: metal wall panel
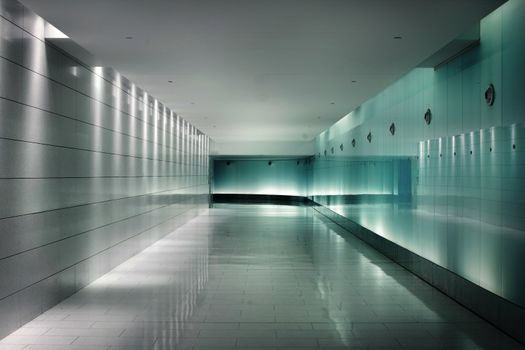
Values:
[(92, 170)]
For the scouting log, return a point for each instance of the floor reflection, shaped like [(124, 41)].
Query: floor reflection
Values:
[(258, 277)]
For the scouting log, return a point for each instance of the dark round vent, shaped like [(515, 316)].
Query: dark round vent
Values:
[(490, 95), (392, 128), (428, 116)]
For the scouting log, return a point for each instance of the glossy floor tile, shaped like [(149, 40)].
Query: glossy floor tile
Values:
[(258, 277)]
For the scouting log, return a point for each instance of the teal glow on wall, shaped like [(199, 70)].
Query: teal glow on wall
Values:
[(260, 176), (464, 170)]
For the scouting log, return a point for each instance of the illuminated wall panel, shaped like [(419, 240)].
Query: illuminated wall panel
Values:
[(260, 176), (465, 170), (92, 170)]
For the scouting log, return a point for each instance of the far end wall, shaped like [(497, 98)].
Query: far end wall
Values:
[(263, 176)]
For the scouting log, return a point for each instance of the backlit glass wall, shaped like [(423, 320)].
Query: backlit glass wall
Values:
[(260, 176), (453, 190)]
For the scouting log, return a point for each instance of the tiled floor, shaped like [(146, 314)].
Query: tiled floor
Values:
[(258, 277)]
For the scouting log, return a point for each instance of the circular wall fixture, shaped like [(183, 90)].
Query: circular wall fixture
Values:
[(490, 95), (369, 137), (428, 116), (392, 128), (270, 163), (353, 143), (228, 163)]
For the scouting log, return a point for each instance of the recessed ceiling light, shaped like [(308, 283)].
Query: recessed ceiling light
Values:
[(129, 37), (398, 37)]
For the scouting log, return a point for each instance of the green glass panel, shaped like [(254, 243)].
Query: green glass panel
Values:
[(451, 191)]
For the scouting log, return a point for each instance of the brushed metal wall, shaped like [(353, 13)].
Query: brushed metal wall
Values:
[(92, 170)]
